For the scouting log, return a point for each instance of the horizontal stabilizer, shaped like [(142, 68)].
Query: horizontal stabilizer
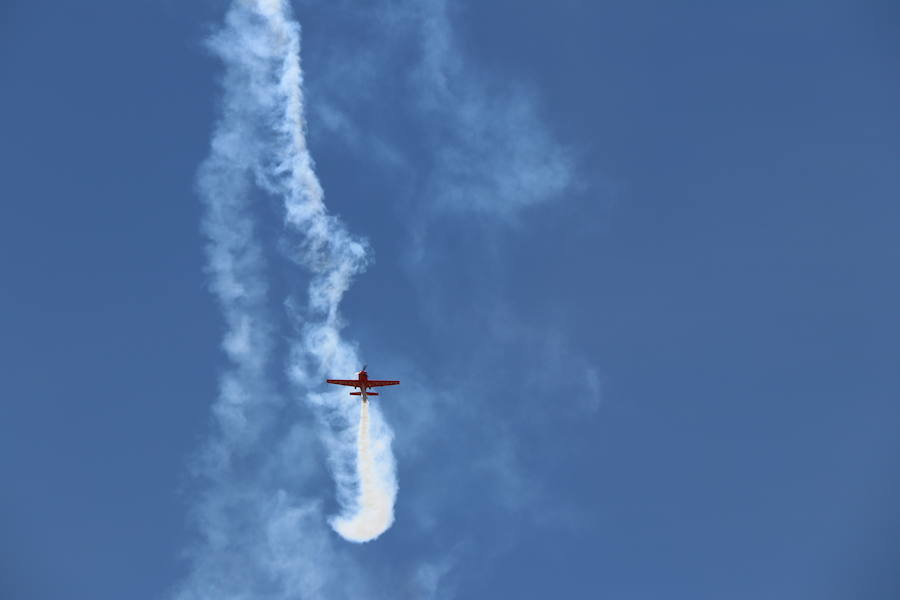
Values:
[(356, 393)]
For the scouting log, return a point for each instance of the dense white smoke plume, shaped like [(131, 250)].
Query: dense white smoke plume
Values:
[(259, 148), (375, 510)]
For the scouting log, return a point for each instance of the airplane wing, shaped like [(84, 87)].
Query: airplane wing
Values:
[(350, 382), (380, 382)]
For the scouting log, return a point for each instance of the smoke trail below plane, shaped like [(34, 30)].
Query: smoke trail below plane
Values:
[(260, 145), (334, 257), (376, 501)]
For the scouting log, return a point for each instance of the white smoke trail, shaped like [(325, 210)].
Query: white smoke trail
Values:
[(334, 257), (375, 501), (261, 139)]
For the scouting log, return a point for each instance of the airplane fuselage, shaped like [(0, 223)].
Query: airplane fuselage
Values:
[(363, 379), (362, 384)]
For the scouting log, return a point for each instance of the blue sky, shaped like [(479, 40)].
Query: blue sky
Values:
[(634, 263)]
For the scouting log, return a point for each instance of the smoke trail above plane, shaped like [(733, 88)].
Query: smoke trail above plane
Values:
[(260, 146), (263, 528), (334, 257)]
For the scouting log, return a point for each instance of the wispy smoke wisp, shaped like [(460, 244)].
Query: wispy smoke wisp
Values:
[(260, 506), (334, 257)]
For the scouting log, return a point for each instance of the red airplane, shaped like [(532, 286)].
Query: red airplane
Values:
[(363, 383)]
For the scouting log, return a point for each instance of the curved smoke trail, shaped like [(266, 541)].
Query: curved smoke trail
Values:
[(334, 257), (261, 137), (375, 499)]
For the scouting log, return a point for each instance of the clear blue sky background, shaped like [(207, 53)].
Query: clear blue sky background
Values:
[(674, 377)]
